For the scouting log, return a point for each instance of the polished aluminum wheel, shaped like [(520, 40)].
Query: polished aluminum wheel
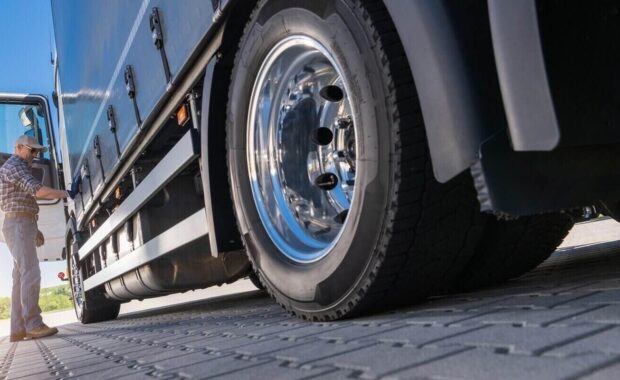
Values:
[(301, 148), (77, 285)]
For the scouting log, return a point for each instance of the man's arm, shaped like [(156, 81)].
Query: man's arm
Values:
[(22, 177), (48, 193)]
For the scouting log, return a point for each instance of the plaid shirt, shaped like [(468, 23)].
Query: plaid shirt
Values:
[(18, 187)]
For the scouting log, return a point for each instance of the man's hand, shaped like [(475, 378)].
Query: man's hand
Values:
[(75, 186), (39, 240)]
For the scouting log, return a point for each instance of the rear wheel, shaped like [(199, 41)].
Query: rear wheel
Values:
[(332, 184), (91, 306)]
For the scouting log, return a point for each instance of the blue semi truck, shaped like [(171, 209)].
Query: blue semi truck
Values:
[(347, 155)]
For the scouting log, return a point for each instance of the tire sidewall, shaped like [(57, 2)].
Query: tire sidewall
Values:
[(332, 280)]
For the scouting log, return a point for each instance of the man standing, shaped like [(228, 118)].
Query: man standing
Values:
[(18, 189)]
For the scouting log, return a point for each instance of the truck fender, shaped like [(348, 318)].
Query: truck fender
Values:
[(449, 48), (223, 233)]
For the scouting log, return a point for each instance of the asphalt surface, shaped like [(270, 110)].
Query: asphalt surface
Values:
[(561, 321)]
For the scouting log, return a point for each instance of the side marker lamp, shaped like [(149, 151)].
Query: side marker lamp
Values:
[(182, 115)]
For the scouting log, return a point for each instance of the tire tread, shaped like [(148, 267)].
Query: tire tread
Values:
[(512, 248)]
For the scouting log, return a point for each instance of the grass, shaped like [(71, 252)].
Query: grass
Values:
[(55, 298)]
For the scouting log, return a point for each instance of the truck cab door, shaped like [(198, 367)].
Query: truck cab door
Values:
[(30, 115)]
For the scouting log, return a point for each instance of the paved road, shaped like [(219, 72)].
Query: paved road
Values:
[(561, 321), (60, 318)]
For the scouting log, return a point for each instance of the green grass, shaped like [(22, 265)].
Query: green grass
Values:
[(50, 299)]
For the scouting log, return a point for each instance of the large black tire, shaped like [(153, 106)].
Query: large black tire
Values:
[(91, 306), (405, 234), (256, 281), (511, 248)]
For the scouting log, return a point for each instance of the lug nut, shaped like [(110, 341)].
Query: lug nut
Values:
[(326, 181), (332, 93), (321, 136)]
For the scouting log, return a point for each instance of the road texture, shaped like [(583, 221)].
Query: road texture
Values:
[(561, 321)]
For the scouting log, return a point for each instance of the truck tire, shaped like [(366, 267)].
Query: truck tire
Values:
[(353, 220), (511, 248), (91, 306), (256, 281)]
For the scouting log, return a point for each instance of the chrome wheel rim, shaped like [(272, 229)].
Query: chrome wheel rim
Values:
[(76, 286), (301, 148)]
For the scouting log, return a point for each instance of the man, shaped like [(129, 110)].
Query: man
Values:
[(18, 189)]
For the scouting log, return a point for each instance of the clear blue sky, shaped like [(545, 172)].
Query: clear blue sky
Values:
[(26, 31)]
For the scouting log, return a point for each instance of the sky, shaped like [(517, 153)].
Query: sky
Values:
[(26, 35)]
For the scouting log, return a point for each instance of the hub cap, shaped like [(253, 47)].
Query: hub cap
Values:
[(301, 148)]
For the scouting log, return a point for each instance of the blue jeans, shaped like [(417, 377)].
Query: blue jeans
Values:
[(20, 234)]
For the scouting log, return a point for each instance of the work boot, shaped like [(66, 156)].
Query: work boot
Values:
[(17, 337), (41, 332)]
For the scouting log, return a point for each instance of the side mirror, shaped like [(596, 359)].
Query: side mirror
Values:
[(26, 116)]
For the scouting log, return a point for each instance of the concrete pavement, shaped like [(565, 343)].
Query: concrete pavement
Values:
[(561, 321)]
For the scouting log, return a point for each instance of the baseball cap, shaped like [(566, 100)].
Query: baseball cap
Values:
[(29, 141)]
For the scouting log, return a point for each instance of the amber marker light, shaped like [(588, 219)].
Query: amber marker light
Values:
[(182, 115)]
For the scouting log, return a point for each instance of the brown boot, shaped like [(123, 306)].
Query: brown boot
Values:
[(41, 332), (17, 337)]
